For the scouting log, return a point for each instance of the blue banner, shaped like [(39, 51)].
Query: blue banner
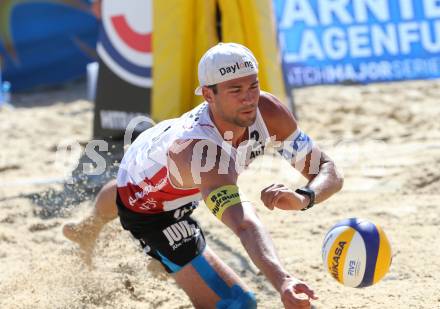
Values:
[(358, 41), (45, 42)]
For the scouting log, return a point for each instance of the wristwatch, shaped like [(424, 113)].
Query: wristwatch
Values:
[(307, 192)]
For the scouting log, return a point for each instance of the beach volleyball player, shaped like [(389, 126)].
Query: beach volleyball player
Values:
[(172, 166)]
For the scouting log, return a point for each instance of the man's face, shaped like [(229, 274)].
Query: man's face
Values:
[(236, 100)]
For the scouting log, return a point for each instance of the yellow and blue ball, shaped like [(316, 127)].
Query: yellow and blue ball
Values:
[(356, 252)]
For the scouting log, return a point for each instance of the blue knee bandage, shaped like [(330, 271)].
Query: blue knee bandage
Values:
[(239, 299), (231, 297)]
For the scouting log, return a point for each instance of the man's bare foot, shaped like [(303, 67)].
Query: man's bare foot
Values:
[(85, 235)]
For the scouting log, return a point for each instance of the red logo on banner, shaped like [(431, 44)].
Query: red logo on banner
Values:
[(125, 43), (137, 41)]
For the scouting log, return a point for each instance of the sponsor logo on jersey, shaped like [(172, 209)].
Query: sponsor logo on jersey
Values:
[(180, 212), (300, 142), (180, 233), (147, 188), (148, 204)]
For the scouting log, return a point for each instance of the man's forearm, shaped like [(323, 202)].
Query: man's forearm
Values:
[(261, 250), (326, 183)]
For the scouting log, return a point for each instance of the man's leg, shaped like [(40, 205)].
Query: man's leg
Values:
[(210, 283), (86, 232)]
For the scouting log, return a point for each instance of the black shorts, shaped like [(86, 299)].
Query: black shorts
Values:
[(172, 237)]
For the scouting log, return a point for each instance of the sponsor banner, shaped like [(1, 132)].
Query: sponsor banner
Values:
[(117, 103), (125, 74), (359, 41), (125, 40), (45, 42)]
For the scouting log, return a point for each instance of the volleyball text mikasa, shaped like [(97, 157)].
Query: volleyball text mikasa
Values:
[(356, 252)]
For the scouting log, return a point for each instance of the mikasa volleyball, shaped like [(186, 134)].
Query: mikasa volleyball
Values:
[(356, 252)]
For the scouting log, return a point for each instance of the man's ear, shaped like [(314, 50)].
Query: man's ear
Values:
[(208, 94)]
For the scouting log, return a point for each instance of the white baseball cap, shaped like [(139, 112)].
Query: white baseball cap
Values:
[(225, 61)]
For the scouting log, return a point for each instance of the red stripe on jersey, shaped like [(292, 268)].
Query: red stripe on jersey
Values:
[(149, 195)]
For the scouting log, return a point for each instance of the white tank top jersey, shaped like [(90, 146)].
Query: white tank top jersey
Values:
[(143, 178)]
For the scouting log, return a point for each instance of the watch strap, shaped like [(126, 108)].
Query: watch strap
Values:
[(310, 194)]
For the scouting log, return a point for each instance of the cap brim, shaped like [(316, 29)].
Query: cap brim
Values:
[(198, 91)]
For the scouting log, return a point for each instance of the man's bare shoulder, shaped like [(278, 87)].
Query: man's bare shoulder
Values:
[(279, 121)]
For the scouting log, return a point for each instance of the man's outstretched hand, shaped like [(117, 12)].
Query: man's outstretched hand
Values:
[(295, 294), (280, 196)]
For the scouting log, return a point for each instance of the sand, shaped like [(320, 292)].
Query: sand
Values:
[(384, 137)]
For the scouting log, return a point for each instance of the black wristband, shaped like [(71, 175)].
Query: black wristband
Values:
[(310, 194)]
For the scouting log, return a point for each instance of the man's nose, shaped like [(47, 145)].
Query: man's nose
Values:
[(247, 97)]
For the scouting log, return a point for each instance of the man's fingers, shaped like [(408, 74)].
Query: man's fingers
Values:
[(264, 198), (269, 193), (298, 295), (277, 197), (271, 196), (283, 204), (303, 288), (272, 187), (274, 197), (268, 188), (277, 193), (266, 201), (297, 301)]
